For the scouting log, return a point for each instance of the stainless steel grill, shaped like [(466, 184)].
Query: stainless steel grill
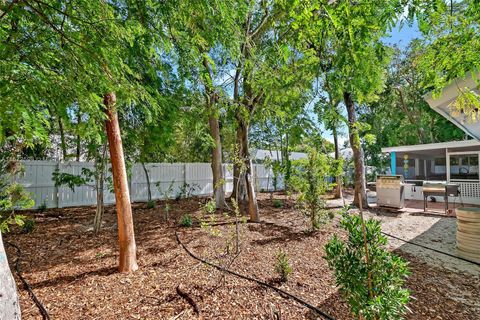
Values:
[(439, 189), (390, 191)]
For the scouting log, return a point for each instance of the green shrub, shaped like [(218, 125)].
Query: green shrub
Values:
[(43, 206), (277, 203), (151, 204), (29, 225), (309, 181), (374, 290), (282, 266), (186, 220)]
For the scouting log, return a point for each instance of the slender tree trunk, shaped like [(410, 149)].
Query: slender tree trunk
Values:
[(252, 198), (63, 145), (211, 100), (126, 236), (147, 176), (9, 304), (236, 166), (358, 159), (338, 187), (79, 119), (218, 179), (100, 183)]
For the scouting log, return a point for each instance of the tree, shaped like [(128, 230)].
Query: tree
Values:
[(451, 47), (354, 59), (87, 52), (206, 35)]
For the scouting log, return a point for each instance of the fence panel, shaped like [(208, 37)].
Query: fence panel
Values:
[(166, 179)]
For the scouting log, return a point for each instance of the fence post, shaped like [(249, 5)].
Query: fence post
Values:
[(56, 190), (185, 166)]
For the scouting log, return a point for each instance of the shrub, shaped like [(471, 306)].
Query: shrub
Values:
[(43, 206), (29, 225), (282, 266), (309, 179), (277, 203), (151, 204), (374, 290), (186, 220)]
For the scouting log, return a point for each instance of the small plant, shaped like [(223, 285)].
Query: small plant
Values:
[(277, 203), (29, 225), (43, 206), (370, 278), (186, 221), (151, 204), (309, 179), (282, 266)]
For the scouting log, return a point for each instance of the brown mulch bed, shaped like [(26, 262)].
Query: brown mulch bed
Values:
[(74, 272)]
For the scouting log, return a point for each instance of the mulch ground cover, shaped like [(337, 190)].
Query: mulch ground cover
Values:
[(74, 272)]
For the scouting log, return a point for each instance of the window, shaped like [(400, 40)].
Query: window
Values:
[(464, 167), (440, 161)]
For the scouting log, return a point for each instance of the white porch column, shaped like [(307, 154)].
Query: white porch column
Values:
[(447, 164)]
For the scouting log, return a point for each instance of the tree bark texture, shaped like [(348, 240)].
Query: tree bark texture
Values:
[(338, 187), (9, 304), (126, 236), (252, 204), (217, 170), (358, 158)]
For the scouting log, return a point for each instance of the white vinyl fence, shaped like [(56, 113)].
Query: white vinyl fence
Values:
[(164, 177)]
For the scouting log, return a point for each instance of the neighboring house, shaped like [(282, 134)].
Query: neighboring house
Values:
[(260, 155)]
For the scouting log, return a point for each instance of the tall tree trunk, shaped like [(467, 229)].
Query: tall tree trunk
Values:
[(338, 187), (100, 183), (358, 159), (147, 176), (79, 119), (217, 170), (236, 166), (63, 145), (126, 236), (252, 204), (9, 304)]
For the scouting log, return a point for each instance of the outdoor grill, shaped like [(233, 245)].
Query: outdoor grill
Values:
[(439, 189), (390, 191)]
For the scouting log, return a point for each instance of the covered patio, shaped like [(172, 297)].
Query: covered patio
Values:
[(448, 162)]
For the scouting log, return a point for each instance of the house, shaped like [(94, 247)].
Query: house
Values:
[(451, 162)]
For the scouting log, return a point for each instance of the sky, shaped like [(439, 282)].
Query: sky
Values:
[(401, 35)]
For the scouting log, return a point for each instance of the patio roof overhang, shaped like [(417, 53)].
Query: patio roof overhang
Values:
[(436, 148), (449, 94)]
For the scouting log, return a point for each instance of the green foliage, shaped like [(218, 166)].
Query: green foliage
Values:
[(42, 206), (186, 190), (277, 203), (282, 266), (12, 195), (186, 220), (29, 225), (151, 204), (384, 272), (310, 180)]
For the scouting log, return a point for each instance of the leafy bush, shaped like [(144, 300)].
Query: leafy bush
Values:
[(374, 290), (277, 203), (12, 195), (282, 266), (29, 225), (43, 206), (186, 220), (310, 180), (151, 204)]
